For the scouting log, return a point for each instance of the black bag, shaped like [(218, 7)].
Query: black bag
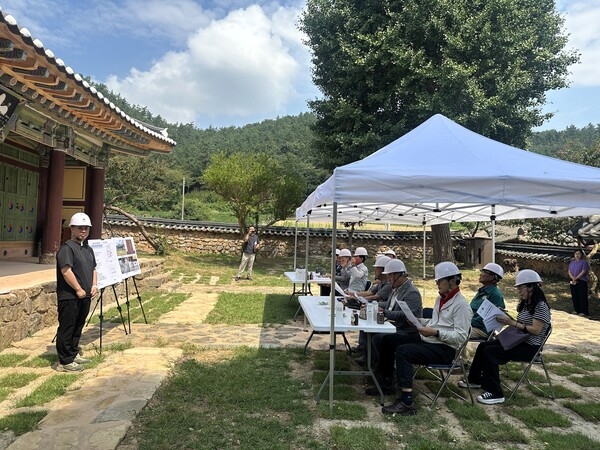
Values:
[(511, 337)]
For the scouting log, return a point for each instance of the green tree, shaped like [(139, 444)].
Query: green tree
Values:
[(385, 66), (258, 187)]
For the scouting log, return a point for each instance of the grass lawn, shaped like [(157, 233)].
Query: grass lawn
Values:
[(249, 398)]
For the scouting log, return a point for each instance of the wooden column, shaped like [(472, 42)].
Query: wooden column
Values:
[(51, 235), (96, 200)]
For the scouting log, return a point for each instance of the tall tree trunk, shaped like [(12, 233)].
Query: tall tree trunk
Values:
[(442, 244)]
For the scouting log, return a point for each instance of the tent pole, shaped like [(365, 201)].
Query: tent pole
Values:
[(306, 256), (493, 220), (424, 248), (332, 307), (295, 244)]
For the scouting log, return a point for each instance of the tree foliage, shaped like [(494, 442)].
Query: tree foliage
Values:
[(386, 66), (258, 187)]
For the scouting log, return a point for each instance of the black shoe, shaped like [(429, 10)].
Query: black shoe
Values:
[(361, 360), (237, 278), (386, 389), (398, 407), (249, 278)]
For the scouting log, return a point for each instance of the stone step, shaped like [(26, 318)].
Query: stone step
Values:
[(155, 281)]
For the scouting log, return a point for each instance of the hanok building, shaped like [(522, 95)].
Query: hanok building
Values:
[(56, 136)]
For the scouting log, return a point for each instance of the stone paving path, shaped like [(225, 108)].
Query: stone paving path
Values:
[(96, 413)]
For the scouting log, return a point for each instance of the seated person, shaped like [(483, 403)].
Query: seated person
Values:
[(378, 291), (359, 274), (325, 289), (437, 341), (533, 318), (489, 277), (343, 279), (384, 344)]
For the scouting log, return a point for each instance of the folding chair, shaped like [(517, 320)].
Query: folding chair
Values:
[(444, 372), (537, 359)]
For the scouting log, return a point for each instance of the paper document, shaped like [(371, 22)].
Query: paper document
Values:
[(409, 315), (339, 289), (488, 312)]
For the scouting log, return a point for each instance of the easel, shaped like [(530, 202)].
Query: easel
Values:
[(101, 317), (139, 298)]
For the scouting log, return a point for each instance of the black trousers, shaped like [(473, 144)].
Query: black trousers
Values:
[(385, 349), (579, 295), (485, 368), (71, 319), (421, 353)]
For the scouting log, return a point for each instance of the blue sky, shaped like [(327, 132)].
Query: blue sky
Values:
[(232, 62)]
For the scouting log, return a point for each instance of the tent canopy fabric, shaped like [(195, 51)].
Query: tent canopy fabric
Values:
[(441, 172)]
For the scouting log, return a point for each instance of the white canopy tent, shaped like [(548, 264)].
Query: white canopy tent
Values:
[(441, 172)]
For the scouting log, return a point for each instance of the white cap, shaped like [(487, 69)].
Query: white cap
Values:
[(389, 251), (381, 261), (360, 251), (394, 266), (80, 220), (495, 269), (445, 269), (527, 276), (345, 252)]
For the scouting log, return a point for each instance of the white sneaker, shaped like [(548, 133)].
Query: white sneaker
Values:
[(463, 384), (80, 360), (71, 367), (487, 398)]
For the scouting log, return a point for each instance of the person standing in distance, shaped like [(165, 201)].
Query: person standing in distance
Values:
[(76, 280), (578, 274), (251, 245)]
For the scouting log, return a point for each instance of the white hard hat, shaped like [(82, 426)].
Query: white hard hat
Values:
[(527, 276), (389, 251), (345, 252), (360, 251), (337, 251), (445, 269), (80, 220), (381, 261), (495, 269), (394, 266)]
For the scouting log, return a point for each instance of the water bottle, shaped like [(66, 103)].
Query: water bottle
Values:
[(370, 313)]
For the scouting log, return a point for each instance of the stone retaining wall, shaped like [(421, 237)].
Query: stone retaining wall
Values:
[(26, 311), (211, 242)]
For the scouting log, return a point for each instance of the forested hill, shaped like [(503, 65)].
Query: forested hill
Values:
[(556, 143)]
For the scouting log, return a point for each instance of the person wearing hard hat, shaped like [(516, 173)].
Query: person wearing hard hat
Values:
[(390, 253), (76, 284), (378, 292), (359, 273), (437, 341), (381, 290), (384, 344), (343, 278), (533, 318), (489, 277)]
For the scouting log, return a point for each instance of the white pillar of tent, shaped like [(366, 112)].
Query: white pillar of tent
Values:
[(332, 307), (493, 220), (306, 256), (424, 248), (295, 244)]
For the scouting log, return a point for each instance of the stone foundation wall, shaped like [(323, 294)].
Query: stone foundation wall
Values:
[(26, 311)]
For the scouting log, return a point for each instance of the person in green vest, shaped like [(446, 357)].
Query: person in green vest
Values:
[(489, 277)]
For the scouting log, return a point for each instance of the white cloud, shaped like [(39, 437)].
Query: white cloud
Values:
[(581, 22), (242, 65)]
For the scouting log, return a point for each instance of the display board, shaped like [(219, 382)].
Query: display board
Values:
[(127, 256), (116, 259), (107, 264)]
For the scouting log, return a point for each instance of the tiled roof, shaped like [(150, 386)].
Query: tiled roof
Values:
[(36, 74), (587, 228), (185, 225)]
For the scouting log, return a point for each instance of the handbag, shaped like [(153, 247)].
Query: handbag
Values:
[(511, 337)]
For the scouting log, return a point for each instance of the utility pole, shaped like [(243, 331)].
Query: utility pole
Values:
[(182, 197)]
